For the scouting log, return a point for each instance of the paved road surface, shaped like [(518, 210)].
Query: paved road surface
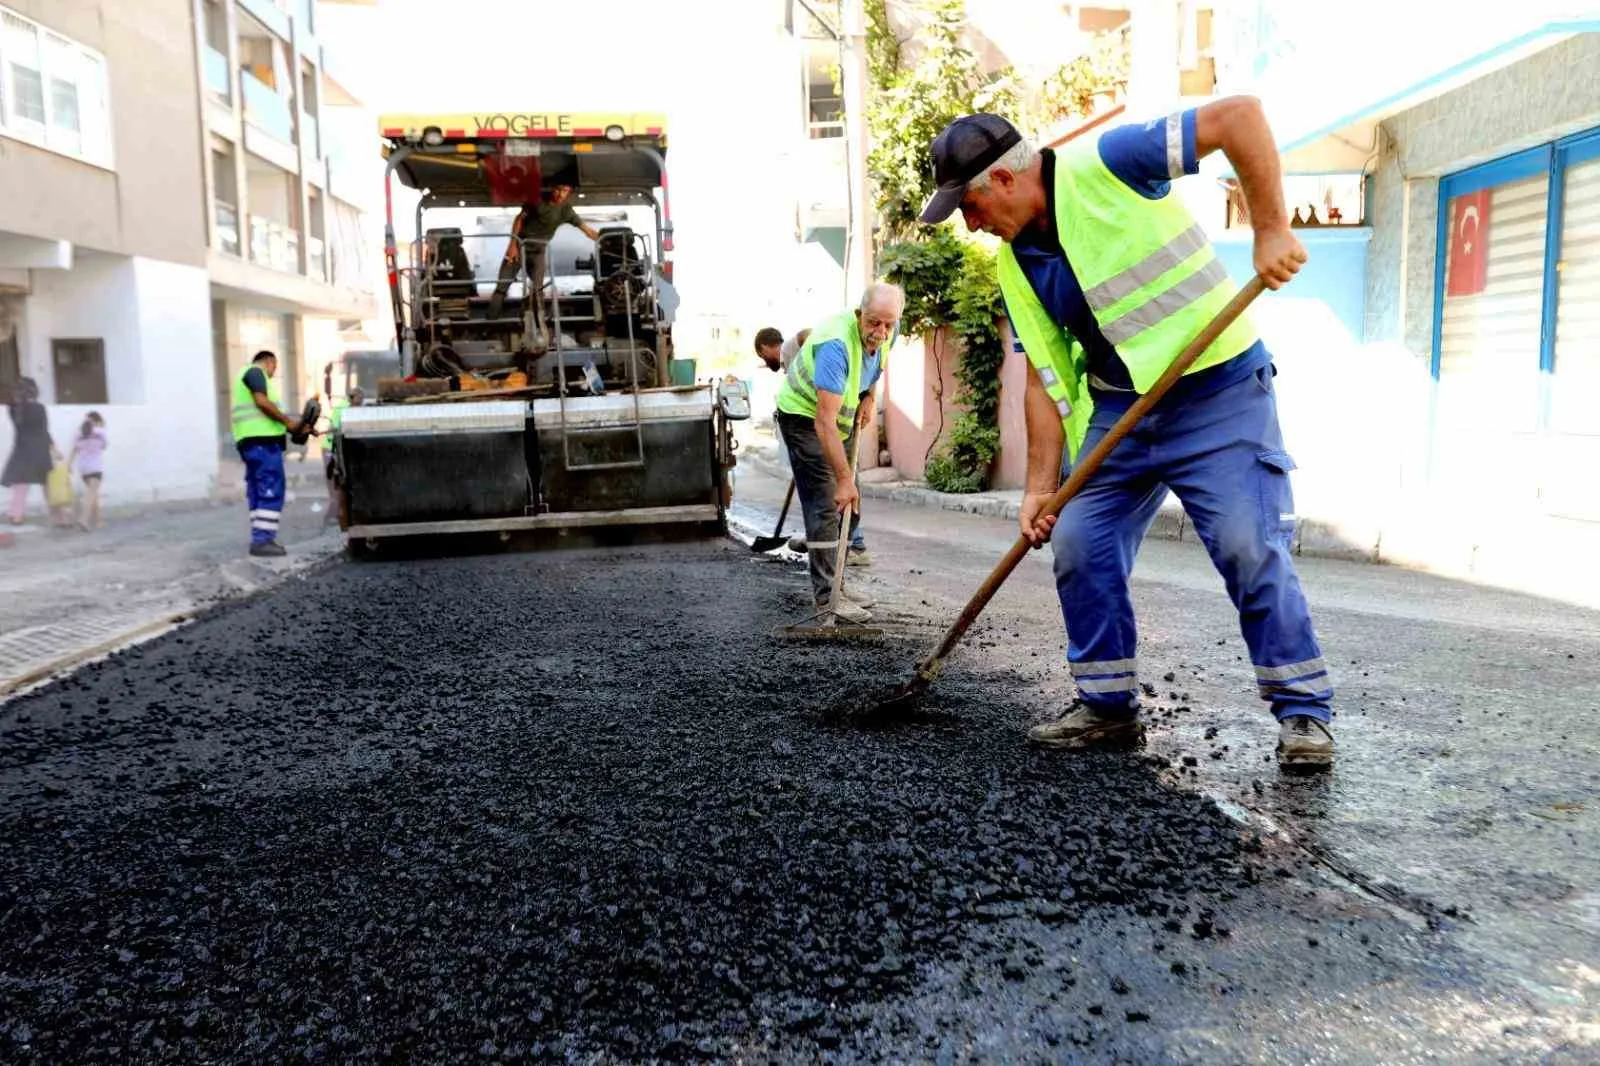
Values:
[(576, 804)]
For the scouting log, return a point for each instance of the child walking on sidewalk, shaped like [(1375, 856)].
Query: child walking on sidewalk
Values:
[(88, 459)]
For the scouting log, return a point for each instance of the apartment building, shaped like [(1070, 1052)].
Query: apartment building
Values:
[(162, 216), (288, 265)]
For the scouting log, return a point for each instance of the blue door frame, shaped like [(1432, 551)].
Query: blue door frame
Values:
[(1553, 159)]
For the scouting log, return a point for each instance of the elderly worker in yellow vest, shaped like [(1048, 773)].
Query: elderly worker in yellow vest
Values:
[(1106, 277), (825, 398)]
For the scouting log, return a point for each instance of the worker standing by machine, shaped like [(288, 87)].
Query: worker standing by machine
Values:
[(259, 429)]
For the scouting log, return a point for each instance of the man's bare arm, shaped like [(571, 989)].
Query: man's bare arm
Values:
[(1044, 436), (827, 425), (1045, 442), (1238, 126), (265, 405)]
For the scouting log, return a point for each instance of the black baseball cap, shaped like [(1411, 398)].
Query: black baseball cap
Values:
[(962, 151)]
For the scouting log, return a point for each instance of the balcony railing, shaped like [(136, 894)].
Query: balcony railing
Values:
[(274, 245), (265, 109), (228, 227), (217, 76)]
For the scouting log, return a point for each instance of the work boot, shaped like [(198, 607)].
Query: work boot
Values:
[(857, 557), (797, 544), (860, 599), (1087, 728), (847, 611), (1304, 744), (269, 548)]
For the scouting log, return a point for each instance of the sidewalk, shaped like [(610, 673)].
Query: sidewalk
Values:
[(882, 483), (66, 595)]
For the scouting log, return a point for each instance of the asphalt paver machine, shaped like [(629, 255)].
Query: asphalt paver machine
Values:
[(534, 400)]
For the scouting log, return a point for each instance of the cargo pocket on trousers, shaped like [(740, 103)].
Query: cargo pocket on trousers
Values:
[(1277, 497)]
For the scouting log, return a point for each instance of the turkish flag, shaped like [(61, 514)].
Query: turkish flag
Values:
[(513, 180), (1469, 244)]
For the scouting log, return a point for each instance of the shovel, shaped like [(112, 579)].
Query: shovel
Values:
[(766, 544), (833, 628), (907, 696)]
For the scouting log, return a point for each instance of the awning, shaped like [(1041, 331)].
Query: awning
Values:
[(1325, 94)]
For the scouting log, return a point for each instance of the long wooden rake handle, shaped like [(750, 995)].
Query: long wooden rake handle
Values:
[(1084, 469)]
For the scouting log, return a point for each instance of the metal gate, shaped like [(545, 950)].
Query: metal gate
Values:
[(1487, 419)]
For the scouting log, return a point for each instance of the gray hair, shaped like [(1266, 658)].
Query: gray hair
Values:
[(881, 292), (1019, 157)]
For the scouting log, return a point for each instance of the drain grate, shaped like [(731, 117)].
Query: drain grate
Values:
[(25, 652)]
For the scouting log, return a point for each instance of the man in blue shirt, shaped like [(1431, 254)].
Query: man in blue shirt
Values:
[(816, 396), (1214, 439)]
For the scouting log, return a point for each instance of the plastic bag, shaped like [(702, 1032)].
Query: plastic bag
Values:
[(58, 486)]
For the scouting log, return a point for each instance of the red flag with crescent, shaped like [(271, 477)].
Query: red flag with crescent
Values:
[(1469, 244)]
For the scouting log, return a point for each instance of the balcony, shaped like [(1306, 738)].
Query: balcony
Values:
[(316, 263), (823, 180), (265, 109), (217, 75), (227, 222), (274, 245)]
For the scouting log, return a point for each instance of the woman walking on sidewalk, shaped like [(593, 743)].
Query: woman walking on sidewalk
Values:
[(89, 460), (32, 451)]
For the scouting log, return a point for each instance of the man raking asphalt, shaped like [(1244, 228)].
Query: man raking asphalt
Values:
[(1106, 276)]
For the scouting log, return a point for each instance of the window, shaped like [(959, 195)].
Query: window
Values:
[(52, 91), (824, 106), (80, 370)]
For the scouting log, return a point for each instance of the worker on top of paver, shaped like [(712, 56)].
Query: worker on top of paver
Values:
[(1106, 277), (259, 426), (536, 224), (825, 399)]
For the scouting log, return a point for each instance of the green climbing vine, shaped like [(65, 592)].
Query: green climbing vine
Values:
[(949, 277)]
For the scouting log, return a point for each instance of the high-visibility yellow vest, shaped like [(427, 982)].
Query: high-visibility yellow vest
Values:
[(248, 419), (798, 395), (336, 416), (1148, 272)]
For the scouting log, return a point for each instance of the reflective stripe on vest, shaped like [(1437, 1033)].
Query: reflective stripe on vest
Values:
[(798, 395), (1053, 354), (248, 419), (1149, 275)]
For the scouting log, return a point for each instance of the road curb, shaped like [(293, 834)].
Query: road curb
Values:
[(1311, 537), (170, 618)]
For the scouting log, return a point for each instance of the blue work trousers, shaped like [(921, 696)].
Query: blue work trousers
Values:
[(263, 489), (1223, 456)]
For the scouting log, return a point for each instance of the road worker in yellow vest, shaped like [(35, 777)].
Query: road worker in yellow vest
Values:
[(1106, 277), (259, 428), (825, 398)]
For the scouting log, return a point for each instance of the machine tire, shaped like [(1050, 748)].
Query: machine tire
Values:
[(362, 548)]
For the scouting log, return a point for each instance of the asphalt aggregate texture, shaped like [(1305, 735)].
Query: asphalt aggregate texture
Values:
[(579, 805)]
